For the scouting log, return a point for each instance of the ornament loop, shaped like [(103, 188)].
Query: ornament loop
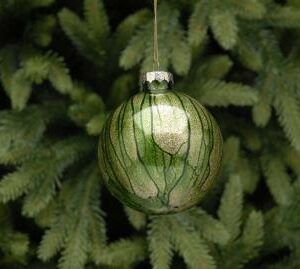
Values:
[(157, 81)]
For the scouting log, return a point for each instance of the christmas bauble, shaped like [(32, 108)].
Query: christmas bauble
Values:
[(160, 151)]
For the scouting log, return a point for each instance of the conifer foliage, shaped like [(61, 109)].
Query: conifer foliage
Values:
[(65, 65)]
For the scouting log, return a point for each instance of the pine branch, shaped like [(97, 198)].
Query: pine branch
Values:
[(137, 219), (224, 27), (76, 248), (175, 50), (46, 216), (86, 107), (278, 180), (160, 247), (248, 50), (181, 56), (20, 90), (15, 185), (262, 110), (21, 131), (198, 24), (132, 55), (58, 73), (121, 90), (125, 252), (230, 210), (14, 246), (77, 219), (248, 9), (249, 174), (96, 19), (79, 33), (35, 69), (191, 246), (38, 176), (54, 238), (40, 31), (97, 228), (239, 252), (215, 67), (8, 66), (96, 123), (252, 237), (284, 16), (210, 228), (291, 158), (40, 3), (219, 93), (231, 155), (288, 110), (128, 27)]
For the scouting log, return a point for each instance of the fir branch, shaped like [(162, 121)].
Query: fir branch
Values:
[(288, 110), (40, 31), (252, 237), (284, 16), (86, 108), (278, 180), (248, 50), (224, 27), (35, 69), (58, 73), (219, 93), (121, 90), (20, 90), (96, 19), (175, 50), (262, 110), (230, 210), (39, 3), (133, 53), (198, 23), (125, 252), (8, 66), (75, 222), (21, 131), (231, 155), (39, 174), (15, 184), (215, 67), (249, 174), (97, 228), (79, 33), (46, 216), (14, 246), (248, 9), (291, 158), (181, 56), (76, 247), (159, 237), (63, 154), (247, 246), (96, 123), (127, 28), (191, 246), (137, 219), (210, 228)]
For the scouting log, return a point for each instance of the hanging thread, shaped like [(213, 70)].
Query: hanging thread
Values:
[(155, 40)]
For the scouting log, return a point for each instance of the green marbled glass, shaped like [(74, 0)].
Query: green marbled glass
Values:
[(160, 151)]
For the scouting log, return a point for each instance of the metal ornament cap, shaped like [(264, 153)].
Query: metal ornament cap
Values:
[(156, 81)]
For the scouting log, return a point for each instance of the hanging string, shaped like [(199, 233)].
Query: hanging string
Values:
[(155, 40)]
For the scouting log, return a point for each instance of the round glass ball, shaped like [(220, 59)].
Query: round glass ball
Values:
[(160, 151)]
